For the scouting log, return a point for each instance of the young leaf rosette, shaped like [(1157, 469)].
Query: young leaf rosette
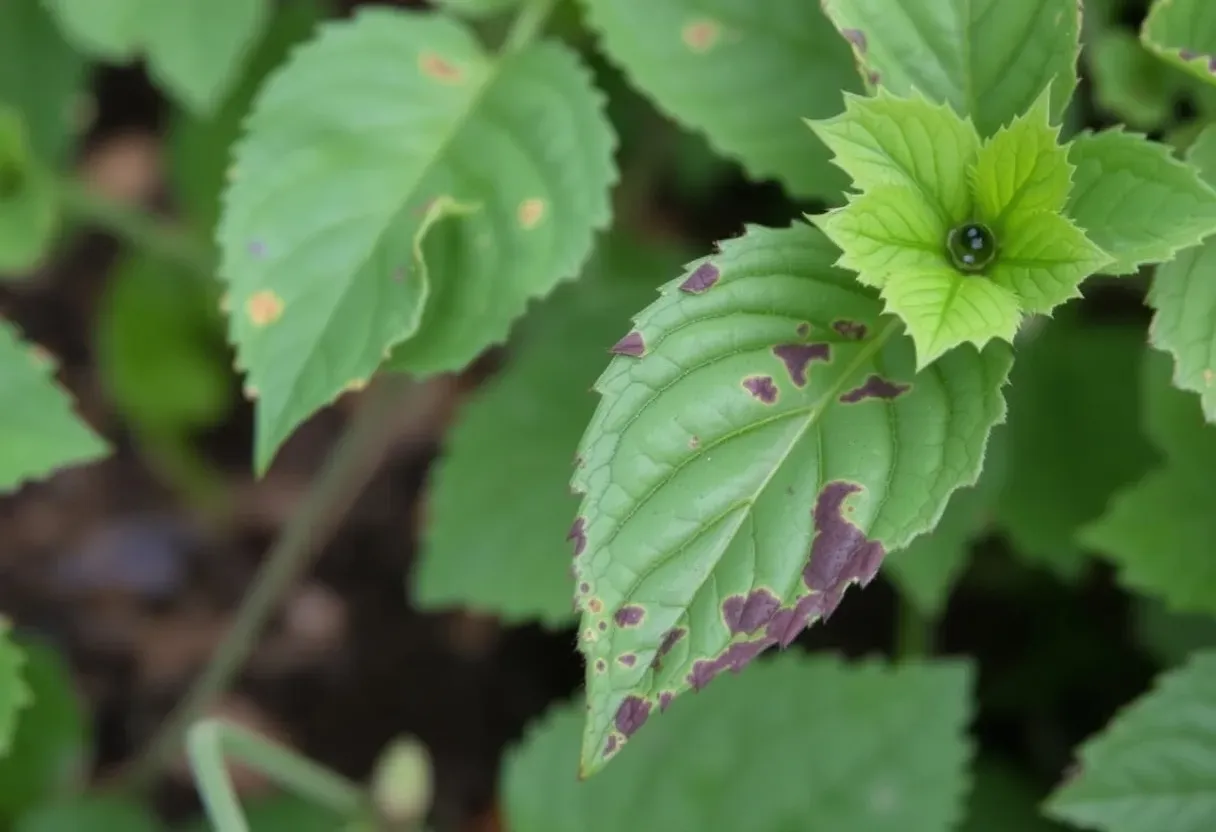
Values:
[(961, 237)]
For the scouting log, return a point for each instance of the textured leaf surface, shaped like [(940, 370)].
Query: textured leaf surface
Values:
[(926, 571), (856, 747), (762, 441), (743, 74), (47, 756), (194, 48), (1183, 32), (28, 205), (14, 693), (1184, 295), (41, 78), (1135, 200), (38, 430), (500, 503), (969, 53), (373, 122), (1073, 396), (1154, 767)]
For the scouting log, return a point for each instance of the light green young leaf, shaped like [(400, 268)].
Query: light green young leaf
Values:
[(926, 571), (1128, 80), (349, 146), (47, 757), (886, 232), (1154, 767), (29, 210), (1062, 471), (15, 694), (41, 78), (500, 502), (195, 48), (715, 522), (90, 813), (1135, 200), (969, 53), (1043, 260), (816, 732), (740, 72), (39, 433), (1184, 295), (1183, 32)]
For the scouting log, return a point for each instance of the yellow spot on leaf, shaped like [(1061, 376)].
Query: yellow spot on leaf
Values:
[(264, 307), (531, 211), (1208, 378), (596, 606), (225, 303), (441, 70), (701, 35)]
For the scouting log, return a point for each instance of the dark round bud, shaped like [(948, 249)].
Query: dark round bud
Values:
[(972, 246)]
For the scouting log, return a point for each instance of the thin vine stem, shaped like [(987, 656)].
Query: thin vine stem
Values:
[(527, 25)]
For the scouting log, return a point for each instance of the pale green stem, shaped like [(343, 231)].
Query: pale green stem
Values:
[(527, 24)]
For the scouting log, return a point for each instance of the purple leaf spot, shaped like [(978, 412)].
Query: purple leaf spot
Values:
[(1187, 54), (610, 745), (600, 665), (630, 615), (627, 659), (875, 387), (257, 249), (578, 533), (602, 626), (855, 37), (874, 77), (705, 276), (852, 330), (762, 387), (631, 715), (736, 657), (694, 442), (840, 554), (584, 587), (664, 700), (631, 345), (747, 614), (798, 356), (804, 329), (669, 641)]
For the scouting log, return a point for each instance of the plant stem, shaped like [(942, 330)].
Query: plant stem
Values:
[(527, 24), (350, 466), (136, 226), (209, 741), (914, 631)]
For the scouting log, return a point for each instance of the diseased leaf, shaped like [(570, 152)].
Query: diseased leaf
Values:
[(1136, 201), (194, 48), (740, 72), (971, 54), (46, 760), (926, 571), (500, 503), (816, 732), (1183, 32), (1154, 767), (41, 79), (38, 430), (729, 501), (1062, 472), (29, 211), (1184, 295), (369, 133), (14, 692)]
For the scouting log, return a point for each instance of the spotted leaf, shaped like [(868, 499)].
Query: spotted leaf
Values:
[(39, 433), (387, 137), (742, 73), (761, 445), (1183, 32)]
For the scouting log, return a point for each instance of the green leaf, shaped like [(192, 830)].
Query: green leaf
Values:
[(1135, 201), (1184, 296), (47, 757), (500, 502), (29, 211), (367, 126), (1004, 801), (278, 813), (1074, 397), (92, 813), (41, 78), (741, 73), (199, 147), (1129, 82), (1172, 637), (826, 731), (926, 571), (1154, 767), (14, 692), (160, 346), (1174, 420), (478, 9), (1044, 259), (194, 48), (39, 433), (1183, 32), (716, 523), (969, 53)]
